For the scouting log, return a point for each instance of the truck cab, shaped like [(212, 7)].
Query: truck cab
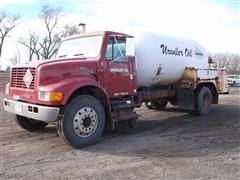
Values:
[(97, 67)]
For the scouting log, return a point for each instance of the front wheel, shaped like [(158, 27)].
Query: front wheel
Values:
[(83, 122), (30, 124), (202, 101)]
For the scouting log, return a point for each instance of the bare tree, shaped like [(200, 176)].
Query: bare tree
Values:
[(50, 42), (46, 47), (69, 30), (32, 44), (7, 23)]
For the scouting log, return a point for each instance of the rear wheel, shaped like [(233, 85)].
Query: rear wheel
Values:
[(148, 105), (202, 101), (30, 124), (83, 122), (159, 105), (173, 102)]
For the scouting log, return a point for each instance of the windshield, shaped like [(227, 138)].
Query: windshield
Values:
[(85, 46)]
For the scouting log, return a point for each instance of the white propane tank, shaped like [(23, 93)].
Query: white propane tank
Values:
[(162, 59)]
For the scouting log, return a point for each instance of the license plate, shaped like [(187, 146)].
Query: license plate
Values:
[(18, 108)]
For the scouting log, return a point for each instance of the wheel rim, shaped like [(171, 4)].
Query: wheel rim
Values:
[(85, 122)]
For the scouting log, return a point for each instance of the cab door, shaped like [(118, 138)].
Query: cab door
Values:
[(119, 69)]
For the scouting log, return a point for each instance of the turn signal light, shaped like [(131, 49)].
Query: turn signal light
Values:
[(56, 96)]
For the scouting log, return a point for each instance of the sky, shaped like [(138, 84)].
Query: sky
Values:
[(213, 23)]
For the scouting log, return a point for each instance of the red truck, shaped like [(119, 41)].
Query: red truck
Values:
[(97, 79)]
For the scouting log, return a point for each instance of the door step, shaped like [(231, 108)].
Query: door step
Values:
[(129, 119), (122, 104), (126, 117)]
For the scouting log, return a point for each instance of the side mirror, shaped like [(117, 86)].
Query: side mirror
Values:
[(130, 47)]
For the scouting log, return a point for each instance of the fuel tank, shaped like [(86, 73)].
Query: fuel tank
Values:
[(162, 59)]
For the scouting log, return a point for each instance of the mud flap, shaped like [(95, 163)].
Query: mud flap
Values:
[(185, 99)]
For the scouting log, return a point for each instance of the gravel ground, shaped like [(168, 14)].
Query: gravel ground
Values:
[(167, 144)]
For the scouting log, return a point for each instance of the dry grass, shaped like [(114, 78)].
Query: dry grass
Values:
[(4, 78)]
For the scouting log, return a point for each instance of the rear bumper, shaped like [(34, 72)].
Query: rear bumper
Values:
[(42, 113)]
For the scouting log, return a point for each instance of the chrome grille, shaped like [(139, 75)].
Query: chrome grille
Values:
[(17, 77)]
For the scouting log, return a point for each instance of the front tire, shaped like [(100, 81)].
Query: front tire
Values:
[(30, 124), (202, 101), (83, 122)]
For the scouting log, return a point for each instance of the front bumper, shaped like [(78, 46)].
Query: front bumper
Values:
[(42, 113)]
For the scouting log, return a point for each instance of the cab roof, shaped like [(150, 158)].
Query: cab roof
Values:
[(98, 33)]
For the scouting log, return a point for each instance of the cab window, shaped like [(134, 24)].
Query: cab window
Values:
[(116, 49)]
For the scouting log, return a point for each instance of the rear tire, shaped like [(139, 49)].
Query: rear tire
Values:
[(202, 101), (148, 105), (173, 102), (83, 122), (30, 124), (159, 105)]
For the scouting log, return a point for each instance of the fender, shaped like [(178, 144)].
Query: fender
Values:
[(69, 85)]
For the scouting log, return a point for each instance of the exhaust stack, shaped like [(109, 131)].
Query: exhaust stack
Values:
[(83, 26)]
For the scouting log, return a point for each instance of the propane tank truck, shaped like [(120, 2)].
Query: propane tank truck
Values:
[(97, 80)]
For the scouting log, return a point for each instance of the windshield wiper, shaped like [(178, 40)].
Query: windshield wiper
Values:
[(62, 56), (79, 54)]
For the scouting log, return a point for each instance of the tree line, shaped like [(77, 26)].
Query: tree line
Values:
[(7, 24), (45, 47), (228, 61)]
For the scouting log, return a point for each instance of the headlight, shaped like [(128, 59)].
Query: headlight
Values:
[(43, 96), (50, 96)]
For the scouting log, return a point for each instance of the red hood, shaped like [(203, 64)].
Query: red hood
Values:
[(34, 63), (37, 63)]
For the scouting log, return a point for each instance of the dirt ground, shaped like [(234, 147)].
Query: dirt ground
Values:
[(166, 145)]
